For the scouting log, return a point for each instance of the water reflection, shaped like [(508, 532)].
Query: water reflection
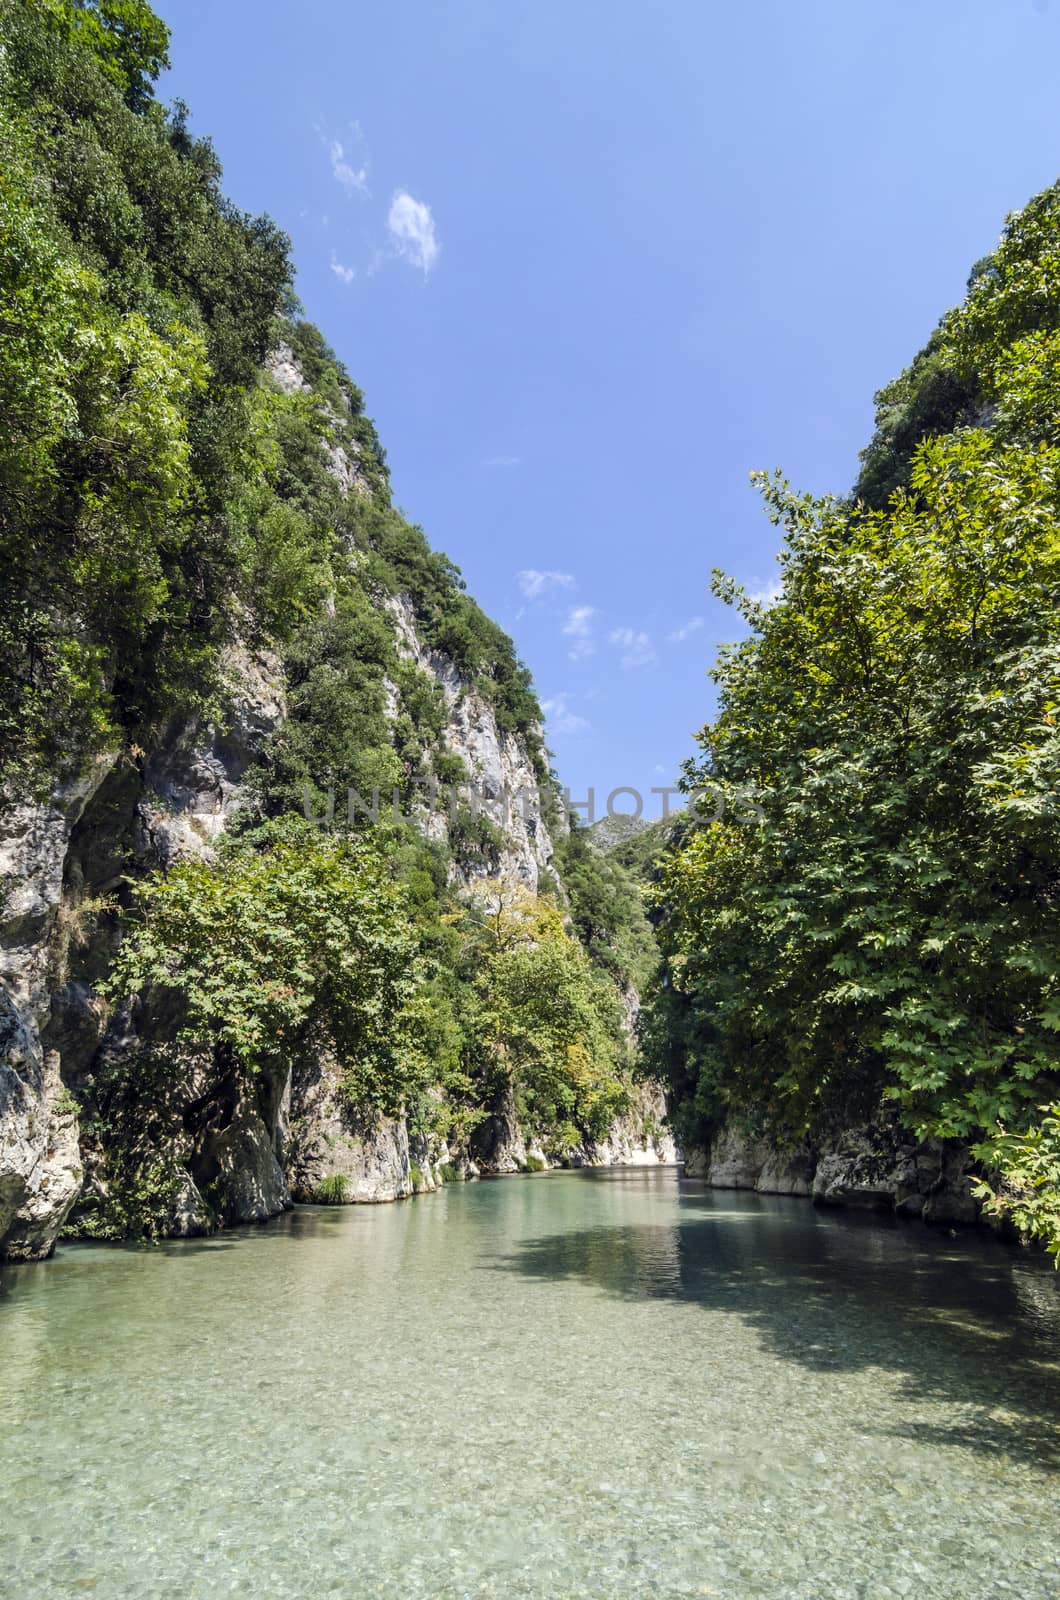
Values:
[(963, 1321)]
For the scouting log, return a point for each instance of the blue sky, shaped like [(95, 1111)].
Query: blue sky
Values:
[(593, 261)]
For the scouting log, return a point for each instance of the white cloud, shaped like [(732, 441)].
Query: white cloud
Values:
[(534, 583), (561, 718), (578, 621), (578, 628), (769, 595), (346, 274), (502, 461), (686, 630), (353, 179), (412, 230), (636, 646)]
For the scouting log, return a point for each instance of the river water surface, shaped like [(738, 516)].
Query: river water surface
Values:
[(601, 1384)]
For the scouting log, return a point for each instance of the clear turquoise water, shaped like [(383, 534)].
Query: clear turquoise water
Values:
[(598, 1384)]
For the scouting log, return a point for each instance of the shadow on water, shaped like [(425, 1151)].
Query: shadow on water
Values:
[(961, 1320), (73, 1256)]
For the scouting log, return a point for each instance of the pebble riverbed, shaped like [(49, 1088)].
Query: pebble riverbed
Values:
[(600, 1384)]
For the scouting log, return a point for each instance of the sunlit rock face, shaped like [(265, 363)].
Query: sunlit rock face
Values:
[(501, 773), (72, 849), (338, 1155), (40, 1172), (40, 1162), (639, 1138)]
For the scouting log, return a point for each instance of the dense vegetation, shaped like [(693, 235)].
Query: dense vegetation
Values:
[(544, 1023), (874, 914), (607, 908), (165, 504), (157, 497), (291, 942), (294, 943)]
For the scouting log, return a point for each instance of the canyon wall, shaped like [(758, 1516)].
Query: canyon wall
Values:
[(63, 854)]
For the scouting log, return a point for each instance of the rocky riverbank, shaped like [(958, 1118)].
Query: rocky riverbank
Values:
[(877, 1166)]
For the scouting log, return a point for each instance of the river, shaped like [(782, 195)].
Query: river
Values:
[(603, 1384)]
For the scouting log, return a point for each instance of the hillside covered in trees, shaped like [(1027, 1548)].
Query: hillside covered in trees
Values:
[(871, 913), (208, 597)]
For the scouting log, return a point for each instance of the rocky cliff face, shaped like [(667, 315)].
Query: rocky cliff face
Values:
[(64, 854), (40, 1172), (59, 857), (502, 780), (640, 1138), (878, 1166)]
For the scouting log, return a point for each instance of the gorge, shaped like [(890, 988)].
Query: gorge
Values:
[(223, 988), (302, 941)]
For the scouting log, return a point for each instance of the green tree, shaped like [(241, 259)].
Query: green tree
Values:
[(607, 910), (132, 44), (290, 941), (136, 306), (543, 1027), (872, 912)]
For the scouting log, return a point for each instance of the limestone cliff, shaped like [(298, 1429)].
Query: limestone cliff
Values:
[(213, 617), (876, 1166), (502, 776), (65, 854)]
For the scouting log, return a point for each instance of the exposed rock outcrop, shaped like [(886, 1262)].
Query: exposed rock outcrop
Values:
[(239, 1156), (366, 1158), (502, 779), (641, 1137), (40, 1162), (40, 1173), (882, 1166), (58, 856), (877, 1166), (499, 1143), (194, 781)]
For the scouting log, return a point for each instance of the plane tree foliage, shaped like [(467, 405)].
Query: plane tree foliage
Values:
[(874, 912)]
